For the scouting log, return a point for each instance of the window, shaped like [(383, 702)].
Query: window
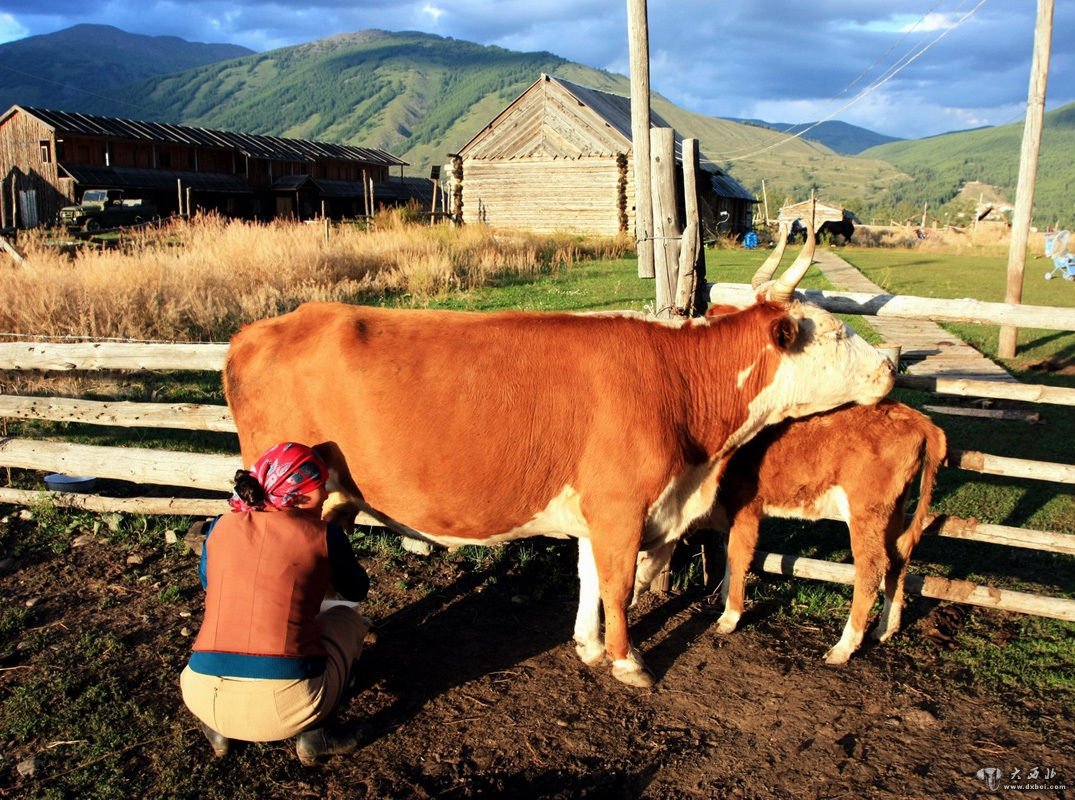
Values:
[(46, 152)]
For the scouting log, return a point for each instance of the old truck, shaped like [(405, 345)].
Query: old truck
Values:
[(102, 209)]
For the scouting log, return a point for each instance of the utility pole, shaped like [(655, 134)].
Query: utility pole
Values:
[(1028, 169), (638, 47)]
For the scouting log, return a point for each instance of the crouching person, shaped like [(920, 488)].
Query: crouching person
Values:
[(267, 663)]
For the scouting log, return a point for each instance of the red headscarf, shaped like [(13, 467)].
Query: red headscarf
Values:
[(285, 472)]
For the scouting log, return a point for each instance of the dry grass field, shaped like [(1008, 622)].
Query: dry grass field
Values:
[(202, 280)]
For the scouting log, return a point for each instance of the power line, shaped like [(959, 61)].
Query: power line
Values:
[(905, 61)]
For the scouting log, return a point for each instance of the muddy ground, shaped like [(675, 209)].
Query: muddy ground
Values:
[(473, 690)]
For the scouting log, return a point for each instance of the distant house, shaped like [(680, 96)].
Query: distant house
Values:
[(49, 158), (828, 219), (559, 157)]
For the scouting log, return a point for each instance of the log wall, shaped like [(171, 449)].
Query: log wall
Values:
[(540, 194)]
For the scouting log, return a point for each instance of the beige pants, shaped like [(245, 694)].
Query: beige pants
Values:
[(263, 710)]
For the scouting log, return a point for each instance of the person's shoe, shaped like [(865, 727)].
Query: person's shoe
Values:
[(326, 741), (218, 742)]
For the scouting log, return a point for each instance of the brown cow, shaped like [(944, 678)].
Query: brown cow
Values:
[(857, 464), (464, 428)]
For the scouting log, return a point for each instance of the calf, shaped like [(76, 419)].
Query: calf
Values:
[(857, 464)]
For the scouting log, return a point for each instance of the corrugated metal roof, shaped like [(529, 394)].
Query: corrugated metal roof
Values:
[(395, 190), (614, 109), (253, 145), (724, 185), (157, 179)]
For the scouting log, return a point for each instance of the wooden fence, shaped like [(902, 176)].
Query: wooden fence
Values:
[(214, 472)]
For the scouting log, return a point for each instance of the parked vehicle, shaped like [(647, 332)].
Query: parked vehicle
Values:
[(102, 209)]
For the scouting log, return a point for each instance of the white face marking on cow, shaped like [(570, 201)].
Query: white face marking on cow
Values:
[(812, 378)]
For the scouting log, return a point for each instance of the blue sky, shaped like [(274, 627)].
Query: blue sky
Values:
[(899, 67)]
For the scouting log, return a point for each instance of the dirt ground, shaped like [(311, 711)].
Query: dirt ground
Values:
[(473, 690)]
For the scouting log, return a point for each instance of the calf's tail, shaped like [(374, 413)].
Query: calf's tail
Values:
[(934, 451)]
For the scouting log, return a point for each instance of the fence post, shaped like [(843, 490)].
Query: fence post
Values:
[(665, 217)]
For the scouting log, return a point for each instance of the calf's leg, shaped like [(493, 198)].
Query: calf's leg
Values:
[(892, 610), (742, 540), (868, 551)]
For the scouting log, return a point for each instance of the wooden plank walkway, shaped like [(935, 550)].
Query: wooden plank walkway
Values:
[(926, 347)]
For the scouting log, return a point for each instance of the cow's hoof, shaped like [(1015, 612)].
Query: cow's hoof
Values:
[(837, 656), (633, 674), (591, 654), (880, 635), (727, 622)]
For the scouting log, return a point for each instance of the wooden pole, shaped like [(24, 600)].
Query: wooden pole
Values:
[(665, 217), (1028, 169), (3, 204), (925, 208), (691, 243), (765, 200), (638, 45), (365, 193), (179, 189)]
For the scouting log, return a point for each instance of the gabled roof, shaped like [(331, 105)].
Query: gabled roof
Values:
[(254, 145), (557, 118), (599, 124), (160, 179)]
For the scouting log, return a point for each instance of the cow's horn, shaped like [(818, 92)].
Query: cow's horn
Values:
[(783, 289), (766, 270)]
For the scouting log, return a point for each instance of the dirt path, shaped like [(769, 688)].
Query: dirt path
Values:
[(473, 690)]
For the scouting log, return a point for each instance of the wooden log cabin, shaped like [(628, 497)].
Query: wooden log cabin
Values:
[(559, 158), (49, 158)]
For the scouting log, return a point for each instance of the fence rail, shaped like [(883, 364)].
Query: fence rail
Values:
[(211, 472)]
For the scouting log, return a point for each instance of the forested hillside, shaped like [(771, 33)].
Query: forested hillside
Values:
[(67, 70), (941, 165)]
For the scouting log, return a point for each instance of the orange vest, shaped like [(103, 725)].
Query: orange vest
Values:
[(267, 573)]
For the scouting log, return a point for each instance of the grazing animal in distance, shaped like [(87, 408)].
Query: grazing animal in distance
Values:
[(465, 428)]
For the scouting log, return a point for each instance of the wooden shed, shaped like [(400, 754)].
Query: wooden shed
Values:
[(559, 157), (48, 158)]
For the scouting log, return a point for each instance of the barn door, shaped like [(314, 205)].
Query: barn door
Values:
[(28, 207)]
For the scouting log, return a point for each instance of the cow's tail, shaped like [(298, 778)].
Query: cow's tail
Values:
[(934, 451)]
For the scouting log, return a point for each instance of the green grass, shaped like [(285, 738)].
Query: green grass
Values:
[(982, 277)]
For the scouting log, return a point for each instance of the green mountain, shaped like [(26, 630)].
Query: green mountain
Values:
[(421, 97), (840, 137), (68, 69), (940, 166)]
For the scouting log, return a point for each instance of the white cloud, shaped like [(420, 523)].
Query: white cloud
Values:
[(10, 29), (737, 58)]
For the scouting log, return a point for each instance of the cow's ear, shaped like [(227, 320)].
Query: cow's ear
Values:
[(784, 330)]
